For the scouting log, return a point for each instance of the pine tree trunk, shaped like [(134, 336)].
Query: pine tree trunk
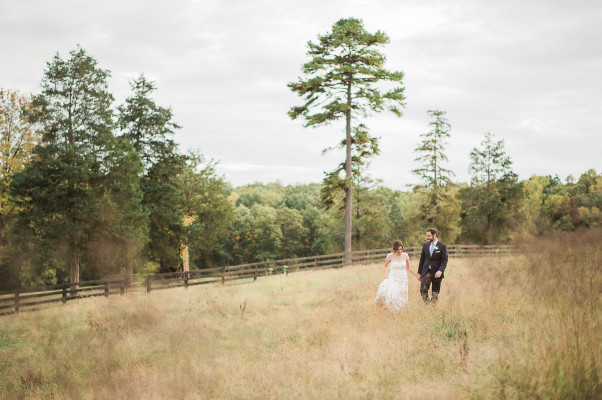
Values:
[(74, 269), (349, 192), (358, 234), (129, 273), (185, 259), (2, 227)]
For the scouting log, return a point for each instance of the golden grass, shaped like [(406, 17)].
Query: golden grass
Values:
[(522, 327)]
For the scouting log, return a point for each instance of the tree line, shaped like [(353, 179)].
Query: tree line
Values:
[(90, 189), (275, 221)]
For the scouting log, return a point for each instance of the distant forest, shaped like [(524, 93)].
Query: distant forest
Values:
[(90, 190)]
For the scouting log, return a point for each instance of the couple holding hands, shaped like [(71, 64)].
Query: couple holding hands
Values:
[(393, 290)]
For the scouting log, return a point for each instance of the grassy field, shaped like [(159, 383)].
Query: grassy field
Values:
[(521, 327)]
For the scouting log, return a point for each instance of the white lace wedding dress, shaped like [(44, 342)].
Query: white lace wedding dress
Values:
[(393, 290)]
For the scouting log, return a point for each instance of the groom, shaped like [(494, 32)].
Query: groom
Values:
[(431, 267)]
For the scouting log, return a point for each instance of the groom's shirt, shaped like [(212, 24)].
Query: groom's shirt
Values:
[(433, 245)]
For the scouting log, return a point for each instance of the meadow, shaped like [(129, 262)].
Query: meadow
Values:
[(527, 326)]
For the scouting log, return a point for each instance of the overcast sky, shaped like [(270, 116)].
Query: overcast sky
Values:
[(528, 71)]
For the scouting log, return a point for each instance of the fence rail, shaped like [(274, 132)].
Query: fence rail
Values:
[(35, 298)]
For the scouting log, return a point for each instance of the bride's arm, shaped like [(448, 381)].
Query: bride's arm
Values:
[(387, 262), (409, 270)]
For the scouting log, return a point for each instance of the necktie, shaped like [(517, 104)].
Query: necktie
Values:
[(432, 248)]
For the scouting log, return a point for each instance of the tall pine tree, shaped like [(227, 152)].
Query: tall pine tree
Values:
[(150, 129), (343, 80)]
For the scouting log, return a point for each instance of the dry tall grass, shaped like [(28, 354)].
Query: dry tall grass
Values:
[(522, 327)]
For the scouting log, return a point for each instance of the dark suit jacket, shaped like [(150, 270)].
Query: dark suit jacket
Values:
[(438, 261)]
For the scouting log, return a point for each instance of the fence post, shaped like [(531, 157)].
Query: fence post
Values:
[(64, 299), (106, 289), (255, 273), (223, 277), (123, 286), (16, 301), (186, 277), (148, 283)]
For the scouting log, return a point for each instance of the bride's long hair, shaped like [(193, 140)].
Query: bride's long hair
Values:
[(397, 245)]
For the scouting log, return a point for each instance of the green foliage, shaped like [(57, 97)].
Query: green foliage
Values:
[(122, 229), (378, 219), (205, 203), (148, 127), (442, 209), (291, 226), (262, 235), (490, 216), (271, 194), (88, 198), (149, 130), (363, 148), (490, 205), (586, 197), (345, 64), (547, 205), (163, 200), (302, 226), (69, 187), (452, 327), (490, 163), (18, 136)]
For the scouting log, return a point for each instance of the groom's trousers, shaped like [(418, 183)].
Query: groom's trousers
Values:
[(425, 283)]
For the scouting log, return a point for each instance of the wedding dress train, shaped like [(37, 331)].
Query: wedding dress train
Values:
[(393, 290)]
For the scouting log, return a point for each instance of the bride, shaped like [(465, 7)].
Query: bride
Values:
[(393, 290)]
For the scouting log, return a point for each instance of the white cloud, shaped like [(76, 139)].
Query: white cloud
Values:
[(526, 71)]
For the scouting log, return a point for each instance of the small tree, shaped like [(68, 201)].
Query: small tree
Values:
[(440, 207), (205, 204), (431, 153), (490, 204), (340, 81), (490, 163)]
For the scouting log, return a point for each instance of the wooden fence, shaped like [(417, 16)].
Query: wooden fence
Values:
[(34, 298)]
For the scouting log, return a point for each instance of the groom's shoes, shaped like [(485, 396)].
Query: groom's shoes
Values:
[(435, 298), (425, 297)]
